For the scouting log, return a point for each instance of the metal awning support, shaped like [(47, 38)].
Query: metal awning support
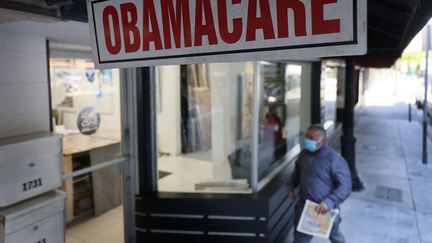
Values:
[(348, 140), (425, 102)]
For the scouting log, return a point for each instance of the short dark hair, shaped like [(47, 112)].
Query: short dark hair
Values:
[(320, 130)]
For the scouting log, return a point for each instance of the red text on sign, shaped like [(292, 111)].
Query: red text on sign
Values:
[(123, 29)]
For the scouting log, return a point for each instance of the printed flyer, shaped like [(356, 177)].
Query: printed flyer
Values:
[(315, 224)]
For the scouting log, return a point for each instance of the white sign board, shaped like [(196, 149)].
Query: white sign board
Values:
[(132, 33)]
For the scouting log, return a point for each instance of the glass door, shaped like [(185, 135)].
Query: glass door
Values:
[(86, 110)]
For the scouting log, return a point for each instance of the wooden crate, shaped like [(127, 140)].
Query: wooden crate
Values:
[(30, 165), (37, 220)]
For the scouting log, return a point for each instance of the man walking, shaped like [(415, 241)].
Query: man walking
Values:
[(323, 177)]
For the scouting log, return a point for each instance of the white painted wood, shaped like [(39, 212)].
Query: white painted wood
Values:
[(39, 219), (29, 165), (23, 84), (50, 229), (17, 124)]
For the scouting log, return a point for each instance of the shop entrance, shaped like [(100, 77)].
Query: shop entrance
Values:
[(86, 110)]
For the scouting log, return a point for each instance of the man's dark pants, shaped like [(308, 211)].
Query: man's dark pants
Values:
[(335, 235)]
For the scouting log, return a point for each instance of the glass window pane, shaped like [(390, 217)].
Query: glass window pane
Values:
[(332, 80), (86, 111), (280, 112), (204, 127)]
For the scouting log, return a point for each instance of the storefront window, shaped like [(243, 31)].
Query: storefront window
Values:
[(332, 79), (280, 112), (204, 127), (86, 111), (205, 119)]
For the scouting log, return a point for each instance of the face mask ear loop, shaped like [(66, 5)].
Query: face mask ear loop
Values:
[(318, 142)]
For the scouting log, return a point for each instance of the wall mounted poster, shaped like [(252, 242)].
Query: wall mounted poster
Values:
[(88, 121)]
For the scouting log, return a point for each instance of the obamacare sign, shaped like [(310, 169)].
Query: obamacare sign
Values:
[(131, 33)]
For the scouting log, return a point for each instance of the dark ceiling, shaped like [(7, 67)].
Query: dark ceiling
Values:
[(392, 24)]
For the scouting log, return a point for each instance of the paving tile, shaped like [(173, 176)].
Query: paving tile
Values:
[(362, 238), (186, 172), (422, 196), (70, 239), (420, 171), (86, 230), (427, 239), (381, 165), (116, 212), (425, 226), (371, 181), (374, 219), (113, 234), (371, 126), (389, 148)]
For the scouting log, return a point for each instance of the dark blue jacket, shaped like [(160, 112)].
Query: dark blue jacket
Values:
[(322, 176)]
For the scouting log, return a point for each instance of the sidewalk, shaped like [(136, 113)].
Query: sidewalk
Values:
[(396, 205)]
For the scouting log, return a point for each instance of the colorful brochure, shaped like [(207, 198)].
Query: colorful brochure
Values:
[(315, 224)]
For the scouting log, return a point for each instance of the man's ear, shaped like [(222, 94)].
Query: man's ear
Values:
[(322, 142)]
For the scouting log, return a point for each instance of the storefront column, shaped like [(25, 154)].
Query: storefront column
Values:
[(138, 136), (221, 101), (348, 140), (146, 128), (316, 93), (128, 114)]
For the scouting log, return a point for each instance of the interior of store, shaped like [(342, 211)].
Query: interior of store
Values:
[(86, 111), (76, 87)]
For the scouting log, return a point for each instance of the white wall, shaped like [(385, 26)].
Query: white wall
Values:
[(169, 112), (223, 78), (24, 105), (70, 32), (222, 99)]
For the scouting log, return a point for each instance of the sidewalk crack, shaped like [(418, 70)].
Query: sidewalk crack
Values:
[(410, 182)]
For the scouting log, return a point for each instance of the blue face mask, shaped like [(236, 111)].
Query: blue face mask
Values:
[(311, 145)]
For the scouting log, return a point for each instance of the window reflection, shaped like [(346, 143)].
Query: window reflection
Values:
[(206, 146), (204, 122), (332, 80), (279, 112)]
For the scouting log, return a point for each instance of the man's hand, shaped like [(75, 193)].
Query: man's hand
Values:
[(291, 194), (322, 208)]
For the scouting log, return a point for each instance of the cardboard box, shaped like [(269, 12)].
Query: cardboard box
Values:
[(29, 165), (37, 220)]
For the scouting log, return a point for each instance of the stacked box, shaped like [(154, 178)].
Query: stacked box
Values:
[(30, 170), (37, 220)]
